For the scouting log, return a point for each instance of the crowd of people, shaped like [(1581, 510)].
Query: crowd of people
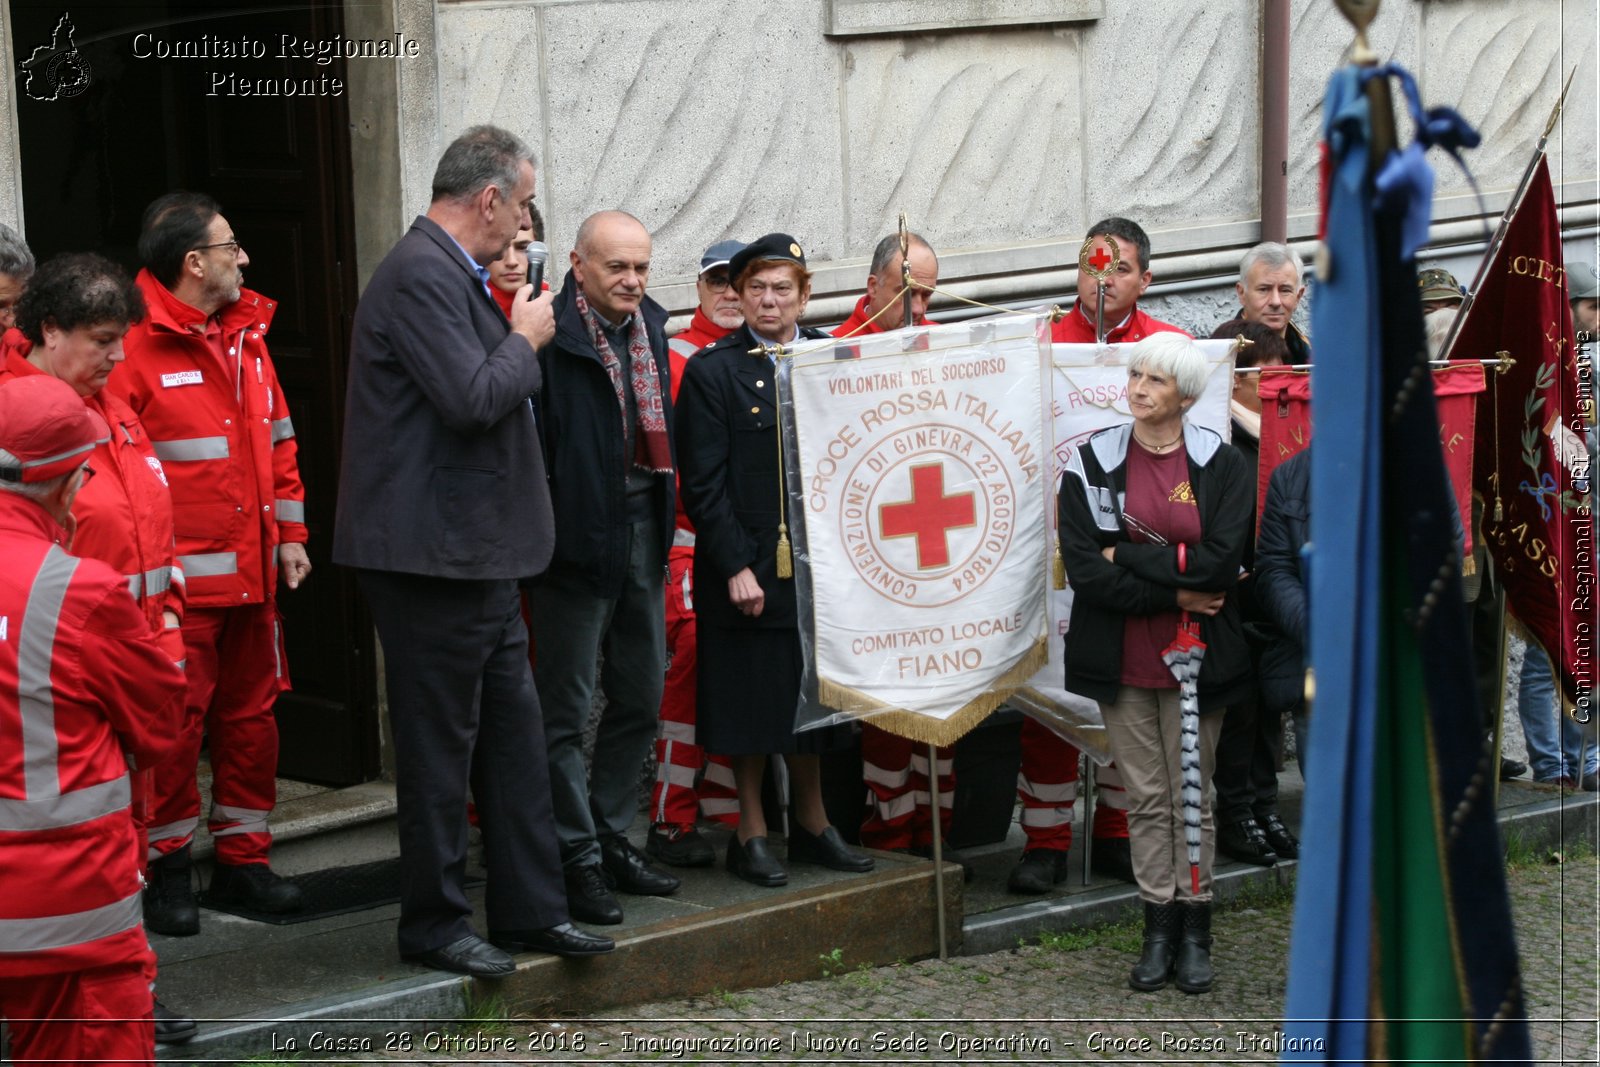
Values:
[(542, 493)]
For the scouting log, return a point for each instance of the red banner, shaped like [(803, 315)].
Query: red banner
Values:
[(1286, 426), (1531, 454)]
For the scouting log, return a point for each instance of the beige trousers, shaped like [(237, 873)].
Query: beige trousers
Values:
[(1147, 743)]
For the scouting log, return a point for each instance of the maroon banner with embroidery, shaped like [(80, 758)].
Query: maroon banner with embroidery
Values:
[(1531, 459), (1285, 424)]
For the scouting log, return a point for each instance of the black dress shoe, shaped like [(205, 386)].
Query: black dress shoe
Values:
[(827, 849), (1244, 841), (1510, 768), (470, 955), (588, 899), (563, 940), (1112, 857), (628, 869), (754, 862), (1279, 837), (172, 1028), (679, 846), (255, 886)]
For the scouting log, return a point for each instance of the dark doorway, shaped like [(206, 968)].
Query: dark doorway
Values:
[(151, 96)]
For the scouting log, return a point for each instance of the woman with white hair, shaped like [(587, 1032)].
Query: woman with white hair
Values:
[(1154, 516)]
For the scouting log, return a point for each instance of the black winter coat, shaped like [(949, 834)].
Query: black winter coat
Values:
[(1280, 585), (580, 422), (1144, 580)]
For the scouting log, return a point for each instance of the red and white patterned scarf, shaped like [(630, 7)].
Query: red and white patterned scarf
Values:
[(651, 451)]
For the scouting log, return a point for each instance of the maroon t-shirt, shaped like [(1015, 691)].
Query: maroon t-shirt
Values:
[(1159, 499)]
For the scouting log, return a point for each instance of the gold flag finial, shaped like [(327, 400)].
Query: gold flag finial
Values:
[(1360, 13)]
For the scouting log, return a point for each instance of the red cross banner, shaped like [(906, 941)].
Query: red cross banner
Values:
[(1089, 393), (920, 471)]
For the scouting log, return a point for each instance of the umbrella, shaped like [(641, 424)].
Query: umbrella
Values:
[(1182, 658)]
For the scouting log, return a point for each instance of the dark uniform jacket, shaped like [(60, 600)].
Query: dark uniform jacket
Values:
[(441, 473), (581, 422), (1145, 580), (1280, 586), (727, 419)]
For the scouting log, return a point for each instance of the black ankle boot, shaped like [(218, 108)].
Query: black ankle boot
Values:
[(1161, 926), (1193, 973)]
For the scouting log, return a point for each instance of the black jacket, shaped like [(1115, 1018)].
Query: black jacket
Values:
[(727, 416), (441, 473), (581, 426), (1280, 586), (1144, 580)]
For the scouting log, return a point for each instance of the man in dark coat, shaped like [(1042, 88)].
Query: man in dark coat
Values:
[(606, 404), (443, 507)]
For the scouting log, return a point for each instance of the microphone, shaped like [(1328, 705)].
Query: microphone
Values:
[(538, 255)]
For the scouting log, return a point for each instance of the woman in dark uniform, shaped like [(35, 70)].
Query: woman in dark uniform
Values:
[(749, 640)]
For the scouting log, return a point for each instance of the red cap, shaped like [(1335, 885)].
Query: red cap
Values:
[(45, 425)]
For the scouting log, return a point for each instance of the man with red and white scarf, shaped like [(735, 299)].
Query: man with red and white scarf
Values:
[(605, 421), (690, 780)]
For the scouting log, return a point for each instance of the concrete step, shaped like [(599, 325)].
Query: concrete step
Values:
[(315, 827), (253, 985)]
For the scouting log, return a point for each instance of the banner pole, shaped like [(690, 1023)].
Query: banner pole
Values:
[(938, 847)]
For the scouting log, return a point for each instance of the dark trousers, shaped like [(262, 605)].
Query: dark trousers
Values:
[(462, 709), (1247, 762)]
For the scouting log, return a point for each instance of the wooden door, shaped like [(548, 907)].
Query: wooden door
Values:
[(279, 166)]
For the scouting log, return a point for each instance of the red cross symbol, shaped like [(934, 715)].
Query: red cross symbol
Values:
[(929, 515), (1100, 258)]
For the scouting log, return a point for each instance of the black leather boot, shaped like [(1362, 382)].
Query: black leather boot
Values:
[(1193, 973), (1161, 926), (169, 904)]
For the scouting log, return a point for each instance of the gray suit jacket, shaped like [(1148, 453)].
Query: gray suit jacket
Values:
[(442, 472)]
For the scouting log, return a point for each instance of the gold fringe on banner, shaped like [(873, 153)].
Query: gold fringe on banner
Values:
[(924, 728)]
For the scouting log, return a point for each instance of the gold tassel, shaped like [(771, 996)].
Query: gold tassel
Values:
[(785, 556), (1058, 570), (922, 728)]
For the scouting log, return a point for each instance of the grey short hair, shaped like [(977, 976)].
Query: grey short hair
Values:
[(480, 157), (1272, 255), (16, 260), (1175, 356), (584, 242), (37, 491), (884, 251)]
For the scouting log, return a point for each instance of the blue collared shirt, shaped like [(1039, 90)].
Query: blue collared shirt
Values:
[(478, 268)]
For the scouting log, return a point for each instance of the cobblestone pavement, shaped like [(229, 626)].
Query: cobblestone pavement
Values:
[(1063, 1001)]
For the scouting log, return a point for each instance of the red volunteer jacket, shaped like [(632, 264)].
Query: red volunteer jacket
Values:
[(221, 429), (700, 332), (124, 513), (85, 690), (852, 325), (1077, 328)]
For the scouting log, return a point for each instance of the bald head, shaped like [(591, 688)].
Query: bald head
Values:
[(612, 263)]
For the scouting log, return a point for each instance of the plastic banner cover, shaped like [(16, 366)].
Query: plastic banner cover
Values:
[(919, 481)]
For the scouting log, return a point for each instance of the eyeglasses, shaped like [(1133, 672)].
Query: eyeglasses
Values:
[(717, 282), (231, 246)]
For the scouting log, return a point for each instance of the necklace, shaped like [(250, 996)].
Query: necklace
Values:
[(1158, 449)]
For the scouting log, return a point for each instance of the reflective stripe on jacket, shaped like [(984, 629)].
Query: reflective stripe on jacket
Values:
[(86, 690), (221, 430)]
